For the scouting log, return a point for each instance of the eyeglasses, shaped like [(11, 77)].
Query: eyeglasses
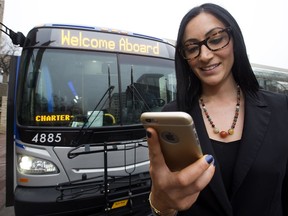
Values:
[(215, 42)]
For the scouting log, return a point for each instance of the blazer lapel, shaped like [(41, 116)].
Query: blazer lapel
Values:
[(256, 121), (216, 184)]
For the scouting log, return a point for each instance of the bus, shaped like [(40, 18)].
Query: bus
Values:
[(271, 78), (75, 144)]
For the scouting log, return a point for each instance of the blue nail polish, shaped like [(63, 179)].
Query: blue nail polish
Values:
[(148, 134), (209, 159)]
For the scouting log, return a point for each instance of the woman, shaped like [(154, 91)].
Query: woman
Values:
[(242, 129)]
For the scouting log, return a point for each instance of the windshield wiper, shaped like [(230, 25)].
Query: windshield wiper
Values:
[(83, 130), (135, 94)]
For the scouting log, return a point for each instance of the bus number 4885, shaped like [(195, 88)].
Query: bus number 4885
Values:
[(50, 138)]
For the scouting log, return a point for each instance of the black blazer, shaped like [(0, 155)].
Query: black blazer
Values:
[(260, 183)]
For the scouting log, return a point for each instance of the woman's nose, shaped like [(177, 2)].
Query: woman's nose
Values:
[(205, 53)]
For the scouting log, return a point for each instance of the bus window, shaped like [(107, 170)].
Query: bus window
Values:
[(147, 85), (68, 87), (272, 79)]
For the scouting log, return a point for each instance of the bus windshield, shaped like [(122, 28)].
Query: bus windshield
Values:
[(73, 88)]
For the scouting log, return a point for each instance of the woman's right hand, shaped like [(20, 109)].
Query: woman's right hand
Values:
[(176, 190)]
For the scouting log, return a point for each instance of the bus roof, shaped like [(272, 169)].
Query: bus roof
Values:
[(260, 67), (99, 29), (270, 73)]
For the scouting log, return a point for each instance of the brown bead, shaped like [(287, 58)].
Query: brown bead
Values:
[(223, 134)]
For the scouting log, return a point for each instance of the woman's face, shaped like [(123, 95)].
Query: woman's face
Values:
[(211, 67)]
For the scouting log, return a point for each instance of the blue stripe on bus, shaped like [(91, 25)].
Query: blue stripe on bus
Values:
[(20, 145), (73, 26)]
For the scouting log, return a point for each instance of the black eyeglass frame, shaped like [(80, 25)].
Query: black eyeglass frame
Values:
[(204, 42)]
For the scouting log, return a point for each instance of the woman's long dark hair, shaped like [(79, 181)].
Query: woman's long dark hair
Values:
[(188, 85)]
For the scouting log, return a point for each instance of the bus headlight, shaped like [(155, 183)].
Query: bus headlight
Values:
[(35, 166)]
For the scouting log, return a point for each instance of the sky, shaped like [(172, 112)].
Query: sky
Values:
[(263, 22)]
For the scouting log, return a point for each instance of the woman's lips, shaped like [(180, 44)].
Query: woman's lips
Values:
[(210, 67)]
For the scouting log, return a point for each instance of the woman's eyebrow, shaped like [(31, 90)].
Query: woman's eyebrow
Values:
[(206, 34), (213, 29)]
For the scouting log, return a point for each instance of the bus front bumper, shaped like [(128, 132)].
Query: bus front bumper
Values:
[(85, 199)]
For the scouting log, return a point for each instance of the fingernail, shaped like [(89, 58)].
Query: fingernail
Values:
[(209, 159), (148, 134)]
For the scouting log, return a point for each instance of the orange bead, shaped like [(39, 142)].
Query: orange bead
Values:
[(223, 134)]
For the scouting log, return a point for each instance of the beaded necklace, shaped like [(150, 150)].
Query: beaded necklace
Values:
[(223, 134)]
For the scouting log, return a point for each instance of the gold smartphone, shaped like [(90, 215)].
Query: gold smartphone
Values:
[(177, 136)]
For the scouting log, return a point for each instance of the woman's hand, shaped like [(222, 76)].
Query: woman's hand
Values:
[(176, 190)]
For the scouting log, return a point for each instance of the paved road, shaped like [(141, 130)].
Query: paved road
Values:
[(3, 210)]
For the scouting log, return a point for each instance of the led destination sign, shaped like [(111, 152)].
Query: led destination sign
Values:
[(107, 42), (52, 118)]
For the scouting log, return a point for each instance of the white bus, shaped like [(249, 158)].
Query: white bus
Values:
[(272, 78), (75, 144)]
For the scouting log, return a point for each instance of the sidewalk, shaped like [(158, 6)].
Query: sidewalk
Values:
[(3, 210)]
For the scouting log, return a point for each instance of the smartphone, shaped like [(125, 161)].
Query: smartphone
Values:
[(177, 136)]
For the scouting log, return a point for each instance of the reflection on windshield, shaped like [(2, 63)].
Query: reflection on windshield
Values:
[(69, 88)]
